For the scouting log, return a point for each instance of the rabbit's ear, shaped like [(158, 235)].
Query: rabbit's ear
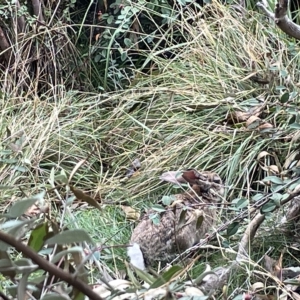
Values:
[(173, 177), (190, 176)]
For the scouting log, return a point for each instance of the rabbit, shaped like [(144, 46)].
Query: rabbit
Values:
[(177, 230)]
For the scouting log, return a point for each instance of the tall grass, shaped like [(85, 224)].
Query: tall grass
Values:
[(179, 116)]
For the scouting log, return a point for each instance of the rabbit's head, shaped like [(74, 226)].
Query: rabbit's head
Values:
[(206, 182)]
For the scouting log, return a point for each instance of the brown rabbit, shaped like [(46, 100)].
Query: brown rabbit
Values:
[(178, 230)]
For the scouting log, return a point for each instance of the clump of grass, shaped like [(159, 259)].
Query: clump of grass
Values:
[(177, 117)]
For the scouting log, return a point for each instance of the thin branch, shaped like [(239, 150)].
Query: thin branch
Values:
[(20, 19), (267, 12), (37, 10), (249, 235), (48, 267), (281, 19)]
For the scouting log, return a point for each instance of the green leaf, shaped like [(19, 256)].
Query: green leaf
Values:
[(11, 224), (69, 237), (233, 228), (20, 169), (268, 207), (241, 203), (167, 200), (24, 265), (276, 197), (62, 177), (53, 296), (158, 208), (15, 228), (110, 19), (294, 126), (166, 277), (292, 281), (37, 236), (257, 197), (283, 73), (20, 207), (78, 295), (273, 179), (144, 275), (239, 297), (124, 56), (225, 243), (292, 111), (127, 42), (285, 97), (12, 289), (276, 188), (131, 276), (155, 218)]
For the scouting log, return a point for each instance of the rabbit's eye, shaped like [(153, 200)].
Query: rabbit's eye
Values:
[(217, 180)]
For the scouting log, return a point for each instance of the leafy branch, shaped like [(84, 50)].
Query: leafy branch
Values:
[(49, 267)]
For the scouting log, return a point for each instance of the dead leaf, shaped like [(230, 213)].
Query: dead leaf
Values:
[(253, 122), (173, 177), (82, 196), (131, 214), (291, 160), (78, 259), (258, 286), (15, 147), (265, 126), (273, 266), (263, 154), (192, 291), (116, 284), (78, 165), (269, 263), (238, 116), (105, 4), (175, 202), (274, 169)]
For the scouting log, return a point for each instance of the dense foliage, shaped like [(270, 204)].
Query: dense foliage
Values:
[(211, 88)]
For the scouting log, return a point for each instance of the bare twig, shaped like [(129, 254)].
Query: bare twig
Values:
[(20, 19), (37, 10), (281, 19), (48, 267)]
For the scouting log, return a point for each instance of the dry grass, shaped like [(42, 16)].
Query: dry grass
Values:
[(176, 118)]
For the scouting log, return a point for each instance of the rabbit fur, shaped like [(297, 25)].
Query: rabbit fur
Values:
[(178, 231)]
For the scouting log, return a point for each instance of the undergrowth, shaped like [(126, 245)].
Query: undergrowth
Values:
[(181, 115)]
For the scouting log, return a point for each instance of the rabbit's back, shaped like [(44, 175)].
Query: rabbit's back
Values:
[(179, 228), (180, 225)]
